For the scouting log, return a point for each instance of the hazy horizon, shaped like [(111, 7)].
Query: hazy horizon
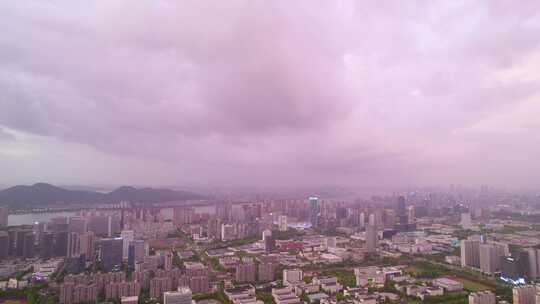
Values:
[(270, 94)]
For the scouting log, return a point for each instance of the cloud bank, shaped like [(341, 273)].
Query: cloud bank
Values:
[(275, 93)]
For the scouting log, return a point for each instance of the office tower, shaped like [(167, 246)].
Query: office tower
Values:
[(283, 223), (4, 245), (314, 211), (292, 276), (12, 242), (470, 253), (4, 214), (466, 222), (127, 236), (490, 258), (245, 271), (266, 233), (111, 253), (181, 296), (73, 245), (228, 232), (401, 210), (525, 294), (482, 297), (411, 217), (87, 241), (137, 251), (371, 238), (267, 268), (60, 243), (28, 245), (100, 225), (77, 224)]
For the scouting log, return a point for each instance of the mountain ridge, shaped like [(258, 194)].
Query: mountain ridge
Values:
[(44, 194)]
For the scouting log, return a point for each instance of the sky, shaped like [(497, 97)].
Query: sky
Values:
[(270, 93)]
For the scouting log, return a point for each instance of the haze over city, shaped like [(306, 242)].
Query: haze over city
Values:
[(270, 93)]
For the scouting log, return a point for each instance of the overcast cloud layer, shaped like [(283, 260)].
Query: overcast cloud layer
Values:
[(273, 93)]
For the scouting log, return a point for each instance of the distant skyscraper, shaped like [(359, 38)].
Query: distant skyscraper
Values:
[(470, 253), (4, 217), (182, 296), (314, 211)]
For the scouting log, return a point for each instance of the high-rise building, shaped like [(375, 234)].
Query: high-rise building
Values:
[(159, 285), (245, 271), (4, 214), (401, 210), (181, 296), (533, 255), (73, 245), (267, 268), (482, 297), (111, 253), (87, 241), (314, 211), (470, 253), (411, 216), (283, 223), (60, 243), (167, 260), (371, 238), (77, 224), (4, 245), (28, 246), (127, 236), (137, 251), (269, 244), (100, 225), (490, 258), (228, 232), (525, 294)]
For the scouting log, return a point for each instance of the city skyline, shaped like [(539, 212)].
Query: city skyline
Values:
[(252, 93)]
